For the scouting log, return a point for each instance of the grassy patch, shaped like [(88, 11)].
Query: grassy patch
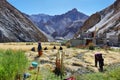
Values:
[(43, 74), (114, 50), (12, 63), (113, 74)]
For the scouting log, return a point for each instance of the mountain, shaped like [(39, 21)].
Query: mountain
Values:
[(64, 25), (15, 27), (106, 23)]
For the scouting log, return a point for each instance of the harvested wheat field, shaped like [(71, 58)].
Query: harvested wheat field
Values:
[(76, 61)]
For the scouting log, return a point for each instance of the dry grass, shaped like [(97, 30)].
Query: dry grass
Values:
[(109, 57), (27, 46), (71, 54), (16, 46)]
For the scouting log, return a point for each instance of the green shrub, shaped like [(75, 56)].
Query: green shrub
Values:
[(12, 63), (68, 45), (29, 43), (91, 46)]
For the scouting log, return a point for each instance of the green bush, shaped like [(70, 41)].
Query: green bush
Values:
[(68, 45), (91, 46), (12, 63)]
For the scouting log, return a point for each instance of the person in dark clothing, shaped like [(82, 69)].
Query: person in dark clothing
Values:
[(101, 64), (99, 58), (39, 49)]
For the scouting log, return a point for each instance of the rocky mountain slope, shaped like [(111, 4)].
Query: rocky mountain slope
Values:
[(105, 22), (14, 26), (64, 25)]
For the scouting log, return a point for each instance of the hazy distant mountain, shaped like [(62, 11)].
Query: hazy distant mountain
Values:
[(14, 26), (106, 22), (64, 25)]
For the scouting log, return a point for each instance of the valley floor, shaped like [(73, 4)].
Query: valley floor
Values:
[(76, 61)]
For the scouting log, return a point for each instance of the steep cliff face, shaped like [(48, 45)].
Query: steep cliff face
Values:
[(90, 22), (14, 26), (105, 22)]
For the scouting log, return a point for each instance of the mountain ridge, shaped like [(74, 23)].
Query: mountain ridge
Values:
[(57, 25)]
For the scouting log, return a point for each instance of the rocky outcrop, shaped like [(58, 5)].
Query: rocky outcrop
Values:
[(90, 22), (15, 27), (106, 23)]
